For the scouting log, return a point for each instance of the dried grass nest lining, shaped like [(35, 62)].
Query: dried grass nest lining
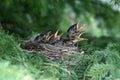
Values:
[(52, 52)]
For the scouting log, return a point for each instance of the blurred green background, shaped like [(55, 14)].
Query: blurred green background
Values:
[(24, 19)]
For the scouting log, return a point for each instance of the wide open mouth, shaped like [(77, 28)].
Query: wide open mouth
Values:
[(79, 27)]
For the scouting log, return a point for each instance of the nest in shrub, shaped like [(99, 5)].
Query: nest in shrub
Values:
[(53, 46)]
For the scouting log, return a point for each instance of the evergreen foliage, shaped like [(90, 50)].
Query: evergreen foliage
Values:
[(37, 66), (99, 57)]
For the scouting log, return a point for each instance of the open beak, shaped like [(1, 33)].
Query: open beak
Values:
[(80, 39), (56, 34), (79, 27), (48, 36), (59, 36)]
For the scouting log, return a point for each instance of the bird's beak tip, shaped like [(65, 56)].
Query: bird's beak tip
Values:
[(84, 39), (56, 34)]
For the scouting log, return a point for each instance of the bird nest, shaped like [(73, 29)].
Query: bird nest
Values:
[(52, 52), (52, 46)]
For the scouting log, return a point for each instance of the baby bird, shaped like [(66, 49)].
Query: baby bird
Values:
[(73, 41), (74, 30), (55, 38), (43, 38)]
